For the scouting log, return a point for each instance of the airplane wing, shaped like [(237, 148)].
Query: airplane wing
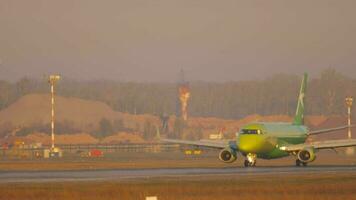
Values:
[(328, 144), (213, 144), (328, 130)]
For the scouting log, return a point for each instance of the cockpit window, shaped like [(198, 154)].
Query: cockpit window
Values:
[(251, 131)]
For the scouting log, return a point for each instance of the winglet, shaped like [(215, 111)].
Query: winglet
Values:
[(299, 115)]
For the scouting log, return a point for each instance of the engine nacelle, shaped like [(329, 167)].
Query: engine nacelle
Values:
[(306, 155), (227, 155)]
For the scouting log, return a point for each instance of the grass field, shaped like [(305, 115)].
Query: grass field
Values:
[(305, 186)]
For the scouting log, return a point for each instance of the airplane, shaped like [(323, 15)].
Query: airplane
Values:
[(274, 140)]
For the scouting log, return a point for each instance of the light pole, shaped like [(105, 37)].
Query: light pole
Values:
[(52, 80), (349, 101)]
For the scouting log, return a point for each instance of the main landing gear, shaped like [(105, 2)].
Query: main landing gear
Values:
[(299, 163), (250, 160)]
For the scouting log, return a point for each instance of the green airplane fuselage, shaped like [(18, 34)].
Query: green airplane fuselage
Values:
[(264, 139)]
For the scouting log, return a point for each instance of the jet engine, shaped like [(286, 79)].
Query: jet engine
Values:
[(227, 155), (306, 155)]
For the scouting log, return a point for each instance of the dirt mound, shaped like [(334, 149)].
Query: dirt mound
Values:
[(85, 116), (36, 138), (80, 138), (136, 122), (209, 123), (214, 125), (316, 120), (36, 109), (123, 137), (79, 114), (332, 122)]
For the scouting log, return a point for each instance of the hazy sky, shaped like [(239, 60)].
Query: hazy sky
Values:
[(151, 40)]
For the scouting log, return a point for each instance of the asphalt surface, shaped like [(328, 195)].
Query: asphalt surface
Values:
[(129, 174)]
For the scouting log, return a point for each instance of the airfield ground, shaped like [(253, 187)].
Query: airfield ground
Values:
[(131, 160), (310, 185), (293, 186)]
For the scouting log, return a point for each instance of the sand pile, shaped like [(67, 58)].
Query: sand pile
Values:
[(80, 138), (36, 109), (36, 138), (210, 123), (332, 122), (136, 122), (315, 120), (85, 116), (123, 137)]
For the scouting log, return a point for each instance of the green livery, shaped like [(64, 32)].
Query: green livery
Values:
[(264, 139), (274, 140), (299, 115), (271, 136)]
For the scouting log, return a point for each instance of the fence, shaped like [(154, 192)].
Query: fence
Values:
[(30, 151)]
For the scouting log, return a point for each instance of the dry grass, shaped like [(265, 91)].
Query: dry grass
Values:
[(333, 186), (92, 165), (117, 161)]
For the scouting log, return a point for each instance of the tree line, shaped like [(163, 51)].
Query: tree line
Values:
[(234, 99)]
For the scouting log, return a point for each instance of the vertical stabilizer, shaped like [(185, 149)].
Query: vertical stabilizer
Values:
[(299, 115)]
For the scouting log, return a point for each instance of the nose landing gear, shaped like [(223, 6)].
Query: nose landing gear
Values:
[(299, 163), (251, 160)]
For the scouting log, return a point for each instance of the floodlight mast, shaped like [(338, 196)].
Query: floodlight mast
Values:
[(52, 80)]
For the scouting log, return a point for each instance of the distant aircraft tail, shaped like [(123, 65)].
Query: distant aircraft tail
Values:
[(299, 115)]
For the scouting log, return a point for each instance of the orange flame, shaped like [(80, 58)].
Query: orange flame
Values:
[(184, 96)]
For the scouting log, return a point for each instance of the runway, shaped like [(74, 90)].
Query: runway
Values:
[(131, 174)]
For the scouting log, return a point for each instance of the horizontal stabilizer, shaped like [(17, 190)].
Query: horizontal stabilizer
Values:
[(328, 144), (328, 130), (213, 144)]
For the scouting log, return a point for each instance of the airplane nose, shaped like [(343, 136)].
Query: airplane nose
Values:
[(251, 143)]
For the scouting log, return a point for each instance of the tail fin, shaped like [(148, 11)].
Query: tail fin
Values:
[(299, 115)]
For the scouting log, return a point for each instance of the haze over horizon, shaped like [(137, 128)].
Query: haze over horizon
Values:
[(133, 40)]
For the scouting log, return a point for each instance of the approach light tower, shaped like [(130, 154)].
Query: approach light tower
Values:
[(52, 80)]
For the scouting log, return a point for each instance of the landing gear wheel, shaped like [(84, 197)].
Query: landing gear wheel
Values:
[(250, 160), (253, 164), (246, 163), (298, 163), (249, 164)]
